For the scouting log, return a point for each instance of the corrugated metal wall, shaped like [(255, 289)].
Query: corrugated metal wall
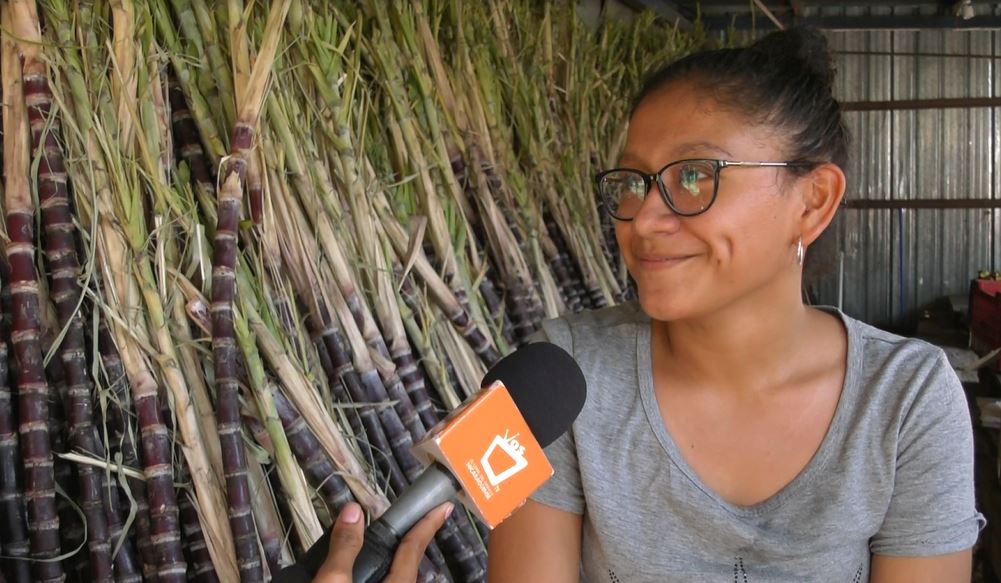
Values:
[(897, 261)]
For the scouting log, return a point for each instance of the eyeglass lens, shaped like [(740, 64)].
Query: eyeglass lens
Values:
[(690, 188)]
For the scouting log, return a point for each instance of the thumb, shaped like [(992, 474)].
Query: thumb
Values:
[(345, 542)]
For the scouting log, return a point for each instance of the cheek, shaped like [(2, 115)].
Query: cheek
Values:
[(748, 232), (623, 236)]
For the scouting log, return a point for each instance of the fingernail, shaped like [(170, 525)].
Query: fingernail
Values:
[(449, 507), (351, 513)]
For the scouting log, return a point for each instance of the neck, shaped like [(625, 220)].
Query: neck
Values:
[(746, 347)]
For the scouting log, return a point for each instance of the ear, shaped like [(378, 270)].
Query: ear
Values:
[(822, 192)]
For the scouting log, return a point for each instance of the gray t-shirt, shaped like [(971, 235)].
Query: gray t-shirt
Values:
[(893, 475)]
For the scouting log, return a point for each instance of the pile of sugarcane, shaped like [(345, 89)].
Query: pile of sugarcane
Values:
[(191, 389)]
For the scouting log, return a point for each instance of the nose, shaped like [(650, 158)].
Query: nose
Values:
[(654, 216)]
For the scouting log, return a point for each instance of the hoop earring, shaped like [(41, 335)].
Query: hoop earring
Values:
[(800, 252)]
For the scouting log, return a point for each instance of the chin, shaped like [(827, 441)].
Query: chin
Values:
[(665, 306)]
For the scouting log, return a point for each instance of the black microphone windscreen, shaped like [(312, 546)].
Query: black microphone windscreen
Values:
[(546, 384)]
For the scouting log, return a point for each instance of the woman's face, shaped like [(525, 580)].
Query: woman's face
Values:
[(744, 245)]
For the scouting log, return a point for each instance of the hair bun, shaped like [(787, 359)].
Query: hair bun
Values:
[(806, 45)]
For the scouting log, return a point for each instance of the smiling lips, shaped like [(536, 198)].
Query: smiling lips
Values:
[(654, 261)]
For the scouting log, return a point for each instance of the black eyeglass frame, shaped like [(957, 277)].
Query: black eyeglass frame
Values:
[(665, 194)]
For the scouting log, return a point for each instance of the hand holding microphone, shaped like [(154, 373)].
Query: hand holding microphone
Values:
[(489, 452), (346, 541)]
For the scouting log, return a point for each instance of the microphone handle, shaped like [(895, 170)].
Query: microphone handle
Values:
[(435, 486)]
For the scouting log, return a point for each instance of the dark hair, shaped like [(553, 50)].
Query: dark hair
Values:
[(783, 80)]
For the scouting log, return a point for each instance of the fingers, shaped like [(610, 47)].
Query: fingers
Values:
[(411, 549), (345, 542)]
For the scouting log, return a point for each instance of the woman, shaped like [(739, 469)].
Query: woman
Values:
[(732, 433)]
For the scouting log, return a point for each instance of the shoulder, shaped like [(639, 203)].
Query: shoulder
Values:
[(899, 374), (879, 351), (603, 328), (604, 343)]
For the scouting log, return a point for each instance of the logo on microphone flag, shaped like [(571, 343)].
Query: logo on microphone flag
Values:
[(489, 447), (514, 450)]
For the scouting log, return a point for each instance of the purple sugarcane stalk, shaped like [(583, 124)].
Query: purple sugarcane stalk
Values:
[(226, 356), (122, 440), (32, 388), (13, 531), (65, 293)]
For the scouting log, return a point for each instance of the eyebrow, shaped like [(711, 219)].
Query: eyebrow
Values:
[(682, 150), (702, 146)]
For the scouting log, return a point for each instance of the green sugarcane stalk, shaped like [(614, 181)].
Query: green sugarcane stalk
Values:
[(297, 388), (203, 45), (201, 112), (307, 282), (304, 516), (315, 464)]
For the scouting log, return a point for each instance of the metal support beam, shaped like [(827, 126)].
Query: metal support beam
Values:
[(905, 104), (924, 203), (899, 22), (871, 22)]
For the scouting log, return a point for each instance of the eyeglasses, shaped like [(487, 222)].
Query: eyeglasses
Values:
[(688, 187)]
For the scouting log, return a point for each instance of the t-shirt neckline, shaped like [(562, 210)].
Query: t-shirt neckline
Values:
[(810, 471)]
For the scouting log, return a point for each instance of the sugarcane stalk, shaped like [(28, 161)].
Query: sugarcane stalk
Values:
[(386, 58), (487, 288), (401, 441), (156, 445), (444, 384), (291, 214), (437, 289), (202, 570), (13, 531), (567, 274), (377, 435), (72, 526), (203, 46), (220, 67), (314, 462), (304, 516), (395, 345), (339, 394), (65, 293), (149, 117), (296, 388), (413, 30), (249, 95), (122, 440), (475, 136), (305, 280), (32, 388), (201, 112), (275, 551), (187, 141), (409, 372), (388, 460), (122, 287), (495, 308)]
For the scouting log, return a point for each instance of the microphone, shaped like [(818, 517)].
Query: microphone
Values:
[(488, 452)]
